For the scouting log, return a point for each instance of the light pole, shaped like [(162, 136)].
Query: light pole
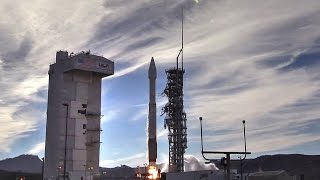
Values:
[(245, 148), (65, 142), (42, 170)]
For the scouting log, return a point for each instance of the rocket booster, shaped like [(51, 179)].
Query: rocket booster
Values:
[(152, 123)]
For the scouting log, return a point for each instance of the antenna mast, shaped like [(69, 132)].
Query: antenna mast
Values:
[(182, 40), (181, 50), (176, 118)]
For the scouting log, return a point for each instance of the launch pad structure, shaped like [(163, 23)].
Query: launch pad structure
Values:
[(175, 119)]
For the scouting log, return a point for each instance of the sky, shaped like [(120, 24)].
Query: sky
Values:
[(257, 61)]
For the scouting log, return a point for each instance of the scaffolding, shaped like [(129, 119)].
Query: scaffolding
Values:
[(175, 119)]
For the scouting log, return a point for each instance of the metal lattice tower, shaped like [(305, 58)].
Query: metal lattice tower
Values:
[(175, 119)]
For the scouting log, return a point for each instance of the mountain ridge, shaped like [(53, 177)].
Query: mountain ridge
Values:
[(26, 163)]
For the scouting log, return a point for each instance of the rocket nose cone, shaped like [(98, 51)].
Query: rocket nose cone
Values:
[(152, 69)]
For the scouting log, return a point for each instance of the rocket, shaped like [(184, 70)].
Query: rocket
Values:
[(152, 123)]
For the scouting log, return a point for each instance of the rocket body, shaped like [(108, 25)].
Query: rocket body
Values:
[(152, 122)]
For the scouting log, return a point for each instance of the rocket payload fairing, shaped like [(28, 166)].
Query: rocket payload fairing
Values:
[(152, 118)]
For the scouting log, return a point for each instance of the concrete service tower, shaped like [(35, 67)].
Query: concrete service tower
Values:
[(73, 116)]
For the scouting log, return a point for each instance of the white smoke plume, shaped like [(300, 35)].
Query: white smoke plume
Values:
[(191, 163)]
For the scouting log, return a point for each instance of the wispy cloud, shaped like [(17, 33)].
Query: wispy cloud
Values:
[(38, 148), (134, 160), (27, 47), (244, 60), (162, 134)]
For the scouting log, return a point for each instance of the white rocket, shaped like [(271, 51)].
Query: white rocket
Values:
[(152, 118)]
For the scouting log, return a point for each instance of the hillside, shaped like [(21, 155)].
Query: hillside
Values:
[(294, 164), (22, 163)]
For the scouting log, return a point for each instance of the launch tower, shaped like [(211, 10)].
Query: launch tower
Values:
[(175, 118)]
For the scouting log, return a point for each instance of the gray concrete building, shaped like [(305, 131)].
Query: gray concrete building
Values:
[(73, 116)]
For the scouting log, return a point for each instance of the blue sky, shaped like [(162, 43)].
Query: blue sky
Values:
[(252, 60)]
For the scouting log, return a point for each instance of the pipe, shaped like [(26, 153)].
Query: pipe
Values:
[(200, 118), (65, 143)]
